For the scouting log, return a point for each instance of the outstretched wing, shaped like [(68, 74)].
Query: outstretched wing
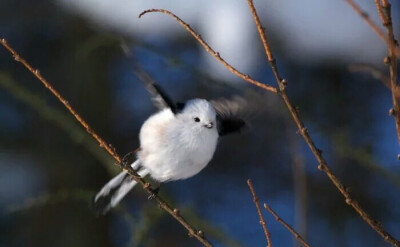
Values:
[(159, 97), (231, 115)]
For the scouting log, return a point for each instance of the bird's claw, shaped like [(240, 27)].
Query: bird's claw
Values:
[(154, 193), (128, 159)]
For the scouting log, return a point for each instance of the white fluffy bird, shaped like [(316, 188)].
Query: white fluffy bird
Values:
[(175, 143)]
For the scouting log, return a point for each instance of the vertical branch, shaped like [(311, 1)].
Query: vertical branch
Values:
[(280, 220), (391, 60), (198, 234), (262, 220), (373, 25), (380, 11), (267, 47), (323, 165)]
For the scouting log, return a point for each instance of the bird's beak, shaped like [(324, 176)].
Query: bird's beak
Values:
[(209, 125)]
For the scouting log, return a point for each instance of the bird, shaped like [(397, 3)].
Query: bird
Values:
[(176, 142)]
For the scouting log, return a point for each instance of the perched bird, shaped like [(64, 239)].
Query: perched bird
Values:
[(176, 143)]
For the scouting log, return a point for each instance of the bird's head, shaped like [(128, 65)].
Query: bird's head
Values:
[(199, 114)]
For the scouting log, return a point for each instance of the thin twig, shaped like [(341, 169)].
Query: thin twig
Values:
[(37, 74), (280, 220), (374, 71), (387, 22), (380, 11), (323, 166), (211, 51), (60, 118), (296, 117), (267, 47), (262, 220), (146, 186), (373, 25)]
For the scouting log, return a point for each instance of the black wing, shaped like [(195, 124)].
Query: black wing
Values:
[(231, 115), (159, 97)]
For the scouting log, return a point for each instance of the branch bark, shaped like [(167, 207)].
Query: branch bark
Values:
[(373, 26), (280, 220), (386, 17), (198, 234), (211, 51), (260, 214), (323, 166)]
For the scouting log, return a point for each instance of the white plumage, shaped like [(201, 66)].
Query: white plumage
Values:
[(178, 147), (175, 143), (173, 147)]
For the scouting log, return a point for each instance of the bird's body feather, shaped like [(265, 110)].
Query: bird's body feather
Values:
[(175, 143), (172, 149)]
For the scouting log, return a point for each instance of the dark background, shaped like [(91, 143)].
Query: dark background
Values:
[(50, 168)]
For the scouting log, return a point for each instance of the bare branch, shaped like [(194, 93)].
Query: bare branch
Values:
[(211, 51), (375, 72), (146, 186), (373, 25), (380, 11), (262, 220), (280, 220), (323, 165), (393, 45), (267, 48)]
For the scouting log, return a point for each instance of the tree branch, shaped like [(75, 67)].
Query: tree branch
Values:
[(146, 186), (262, 220), (386, 18), (373, 25), (323, 166), (280, 220), (211, 51)]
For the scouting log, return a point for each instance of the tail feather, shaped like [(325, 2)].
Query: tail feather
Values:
[(113, 192)]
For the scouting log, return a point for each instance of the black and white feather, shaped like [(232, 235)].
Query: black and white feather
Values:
[(232, 114), (175, 144)]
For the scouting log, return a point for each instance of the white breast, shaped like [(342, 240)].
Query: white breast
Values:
[(171, 151)]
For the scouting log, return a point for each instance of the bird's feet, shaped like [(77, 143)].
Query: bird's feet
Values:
[(128, 159), (154, 192)]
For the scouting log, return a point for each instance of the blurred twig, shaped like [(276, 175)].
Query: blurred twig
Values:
[(149, 218), (146, 186), (300, 184), (260, 214), (64, 121), (373, 26), (375, 72), (61, 196), (280, 220), (364, 158), (45, 199), (323, 166)]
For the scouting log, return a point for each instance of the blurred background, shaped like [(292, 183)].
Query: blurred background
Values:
[(50, 168)]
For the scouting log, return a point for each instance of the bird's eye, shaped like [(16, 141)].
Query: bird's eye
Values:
[(196, 119)]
